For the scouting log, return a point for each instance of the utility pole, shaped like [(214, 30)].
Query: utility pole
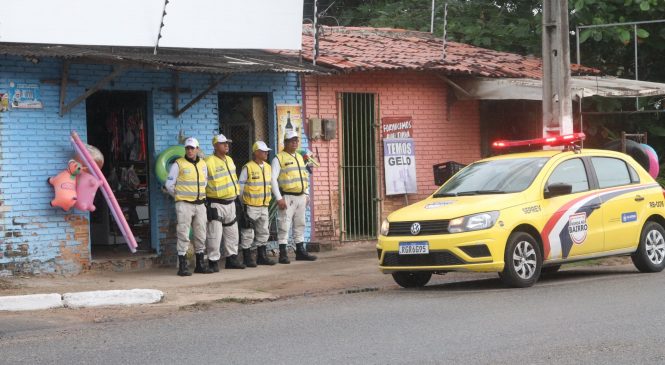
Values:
[(557, 103), (431, 24), (315, 48)]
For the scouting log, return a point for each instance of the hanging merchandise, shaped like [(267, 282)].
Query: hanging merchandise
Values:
[(113, 180), (129, 179), (142, 139), (106, 191), (95, 153), (164, 161), (64, 185), (112, 126), (86, 188)]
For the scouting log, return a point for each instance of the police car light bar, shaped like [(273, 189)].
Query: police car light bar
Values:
[(548, 141)]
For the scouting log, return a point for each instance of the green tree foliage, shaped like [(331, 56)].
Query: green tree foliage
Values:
[(612, 48)]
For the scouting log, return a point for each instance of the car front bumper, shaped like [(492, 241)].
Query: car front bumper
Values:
[(480, 251)]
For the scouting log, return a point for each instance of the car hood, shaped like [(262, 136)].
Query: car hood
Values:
[(453, 207)]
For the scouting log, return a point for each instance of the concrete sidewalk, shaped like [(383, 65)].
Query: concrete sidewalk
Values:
[(352, 266)]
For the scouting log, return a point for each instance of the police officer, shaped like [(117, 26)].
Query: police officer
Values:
[(187, 184), (221, 193), (255, 190), (290, 184)]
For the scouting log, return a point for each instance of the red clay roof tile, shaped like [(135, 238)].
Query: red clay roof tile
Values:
[(349, 49)]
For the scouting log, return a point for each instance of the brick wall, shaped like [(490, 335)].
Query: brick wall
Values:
[(34, 144), (444, 129)]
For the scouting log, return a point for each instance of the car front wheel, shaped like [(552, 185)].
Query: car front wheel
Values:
[(523, 261), (412, 279), (650, 254)]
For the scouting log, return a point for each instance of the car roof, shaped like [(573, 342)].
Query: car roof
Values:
[(552, 153)]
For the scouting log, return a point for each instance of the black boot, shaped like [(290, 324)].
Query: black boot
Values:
[(302, 254), (213, 265), (283, 257), (182, 266), (232, 262), (262, 257), (201, 268), (247, 258)]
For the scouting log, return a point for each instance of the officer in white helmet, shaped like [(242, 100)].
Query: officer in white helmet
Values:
[(221, 193), (255, 190), (290, 185), (187, 184)]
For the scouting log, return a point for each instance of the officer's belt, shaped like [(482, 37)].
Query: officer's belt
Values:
[(221, 201), (294, 194), (195, 202)]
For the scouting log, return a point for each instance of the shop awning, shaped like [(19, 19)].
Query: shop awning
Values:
[(211, 61), (532, 89)]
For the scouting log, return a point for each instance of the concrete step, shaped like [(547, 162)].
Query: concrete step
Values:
[(125, 264)]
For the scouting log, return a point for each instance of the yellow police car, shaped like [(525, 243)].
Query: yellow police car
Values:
[(527, 213)]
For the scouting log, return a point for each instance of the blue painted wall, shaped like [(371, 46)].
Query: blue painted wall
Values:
[(34, 144)]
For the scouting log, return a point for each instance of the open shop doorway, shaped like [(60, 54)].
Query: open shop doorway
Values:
[(117, 125), (244, 119)]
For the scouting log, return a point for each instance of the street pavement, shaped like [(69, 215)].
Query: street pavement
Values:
[(582, 315)]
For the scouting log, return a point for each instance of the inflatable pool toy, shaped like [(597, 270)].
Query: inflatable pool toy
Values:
[(86, 188), (164, 161), (116, 211), (65, 186), (95, 153), (654, 166)]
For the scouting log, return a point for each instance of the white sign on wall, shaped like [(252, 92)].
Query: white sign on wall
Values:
[(399, 158), (221, 24)]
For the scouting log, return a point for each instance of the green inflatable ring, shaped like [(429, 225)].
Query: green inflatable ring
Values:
[(164, 161)]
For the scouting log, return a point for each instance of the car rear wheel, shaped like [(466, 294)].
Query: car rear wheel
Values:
[(523, 261), (412, 279), (650, 254)]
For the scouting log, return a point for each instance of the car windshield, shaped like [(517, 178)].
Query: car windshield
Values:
[(493, 177)]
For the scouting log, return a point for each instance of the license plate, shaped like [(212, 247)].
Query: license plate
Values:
[(414, 248)]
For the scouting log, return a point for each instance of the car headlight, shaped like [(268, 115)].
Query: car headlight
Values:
[(385, 227), (473, 222)]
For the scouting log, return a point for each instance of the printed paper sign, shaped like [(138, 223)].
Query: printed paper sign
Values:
[(396, 127), (24, 96), (289, 117), (399, 159)]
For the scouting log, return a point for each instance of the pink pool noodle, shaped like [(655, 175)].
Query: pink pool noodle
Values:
[(106, 191)]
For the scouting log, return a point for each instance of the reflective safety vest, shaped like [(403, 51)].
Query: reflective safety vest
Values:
[(257, 187), (222, 178), (191, 182), (293, 176)]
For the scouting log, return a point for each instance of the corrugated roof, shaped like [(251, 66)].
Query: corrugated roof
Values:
[(371, 49), (185, 60)]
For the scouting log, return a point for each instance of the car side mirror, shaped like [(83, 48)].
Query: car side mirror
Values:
[(558, 189)]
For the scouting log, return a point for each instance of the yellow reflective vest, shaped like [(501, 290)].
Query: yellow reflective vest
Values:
[(293, 177), (222, 178), (191, 182), (257, 192)]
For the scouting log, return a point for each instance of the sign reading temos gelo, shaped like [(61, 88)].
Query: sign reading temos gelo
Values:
[(399, 159), (396, 127)]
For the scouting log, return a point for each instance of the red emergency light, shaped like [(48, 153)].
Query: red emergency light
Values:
[(548, 141)]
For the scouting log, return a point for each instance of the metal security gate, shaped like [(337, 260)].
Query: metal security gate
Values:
[(358, 183)]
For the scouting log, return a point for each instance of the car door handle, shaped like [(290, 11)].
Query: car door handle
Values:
[(639, 198)]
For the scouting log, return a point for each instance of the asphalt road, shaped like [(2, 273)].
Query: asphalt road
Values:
[(583, 316)]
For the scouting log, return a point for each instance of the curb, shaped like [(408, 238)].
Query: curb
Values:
[(101, 298), (31, 302), (98, 298)]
